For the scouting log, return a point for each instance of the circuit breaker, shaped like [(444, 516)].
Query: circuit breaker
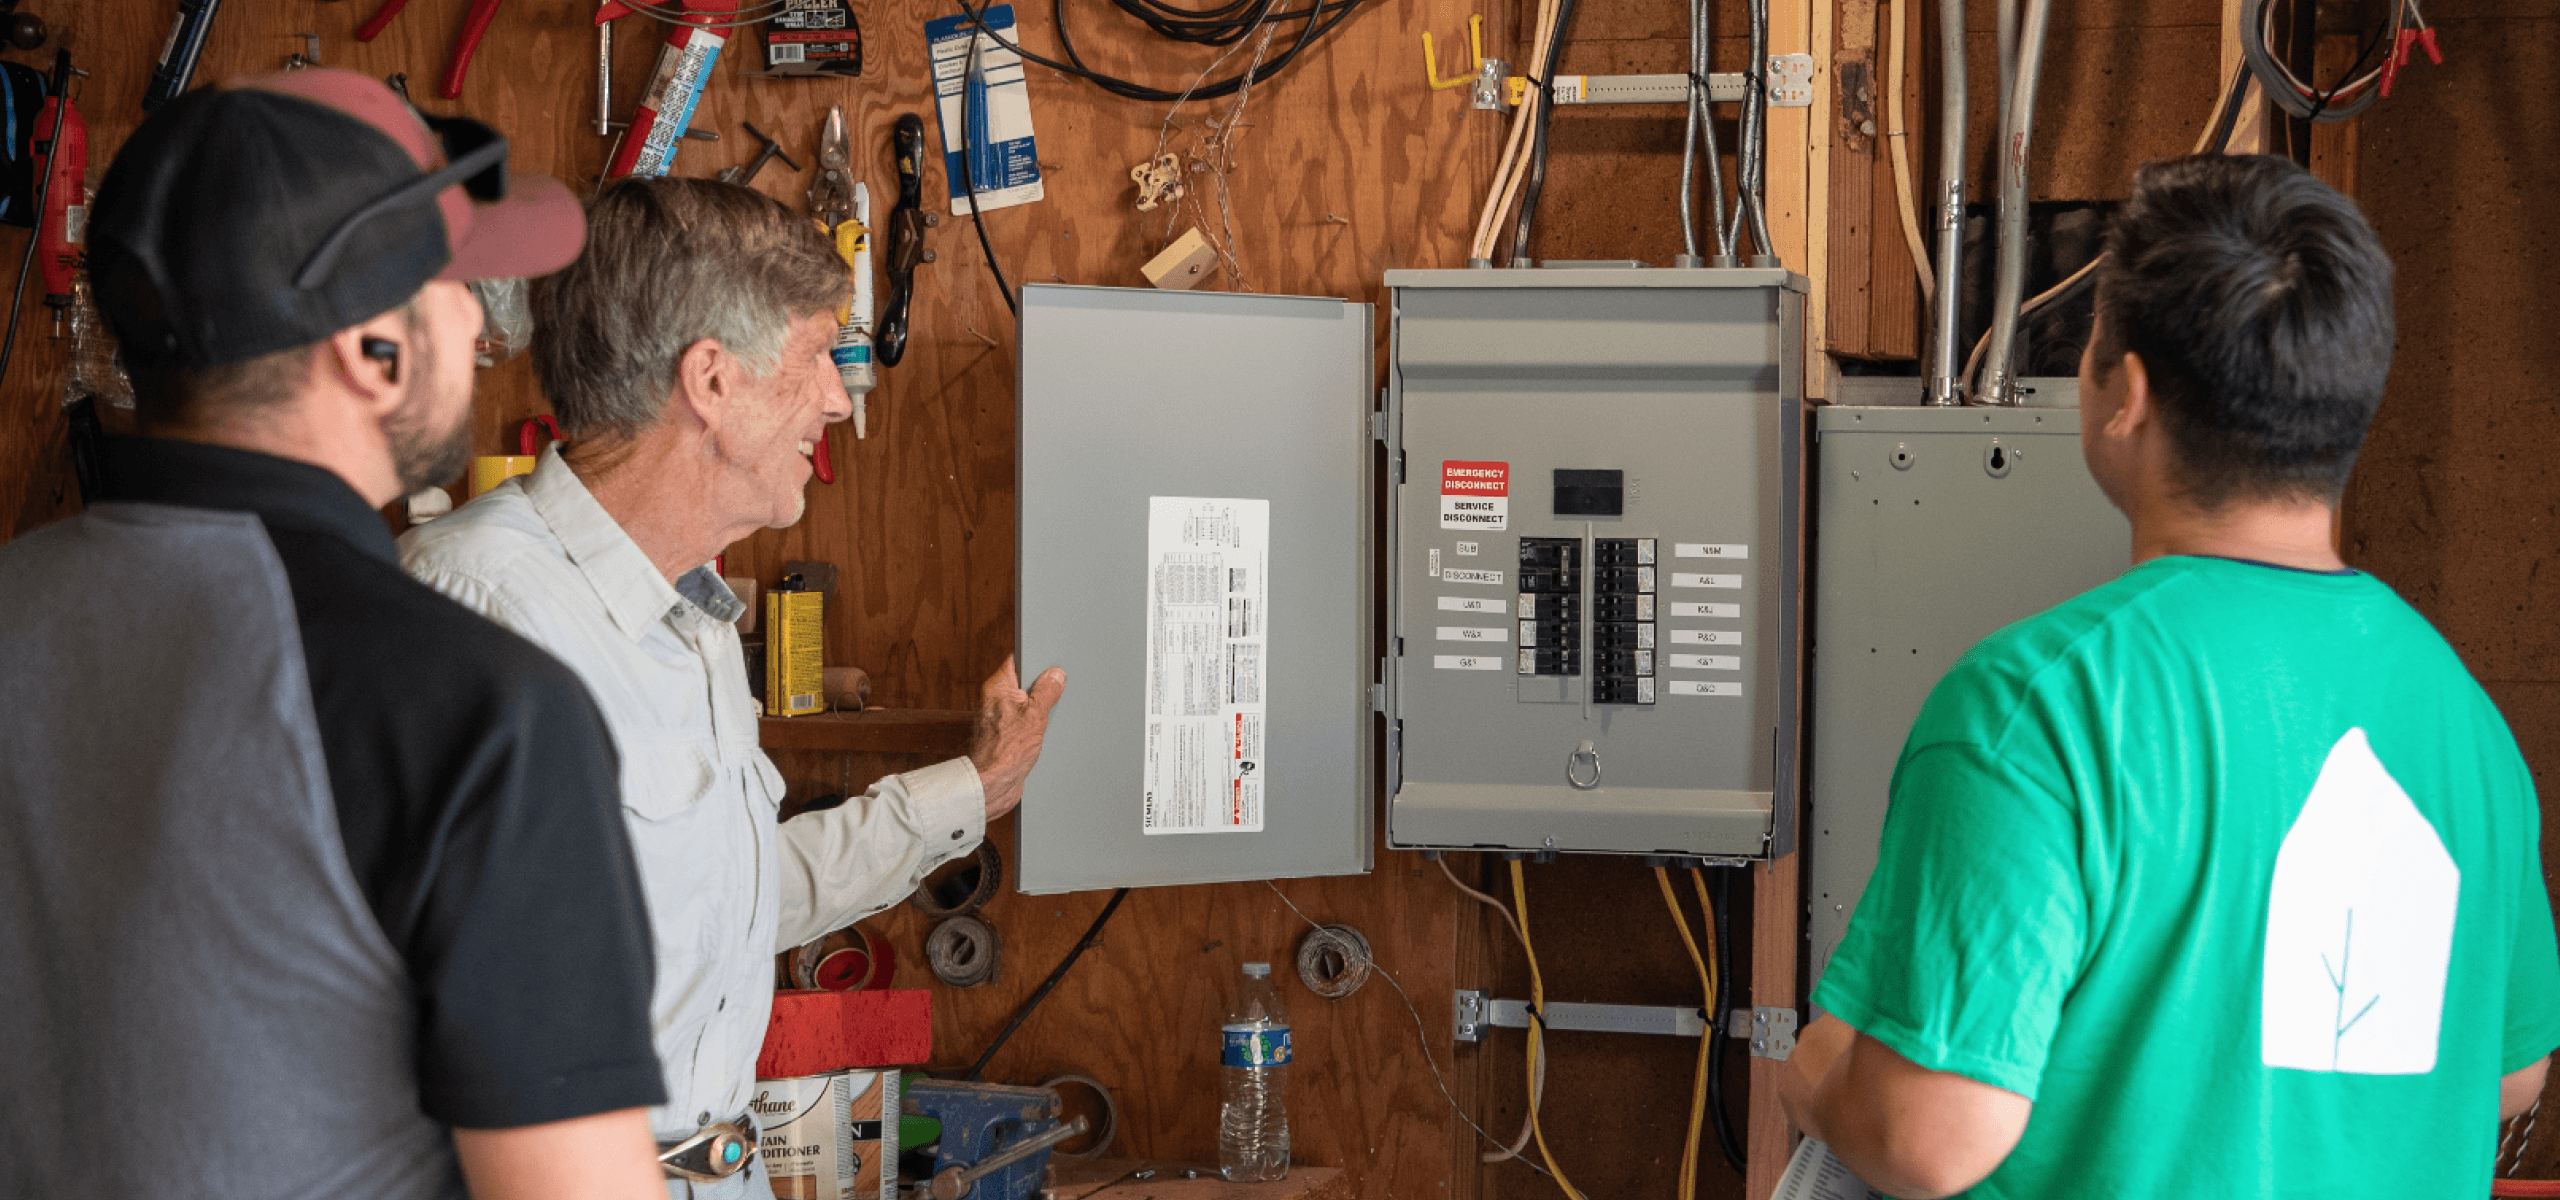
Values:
[(1593, 579), (1938, 527)]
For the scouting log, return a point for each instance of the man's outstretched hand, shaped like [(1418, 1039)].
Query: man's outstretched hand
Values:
[(1011, 723)]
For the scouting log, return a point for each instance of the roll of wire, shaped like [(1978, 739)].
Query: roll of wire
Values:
[(963, 951), (1109, 1126), (1334, 960), (966, 890)]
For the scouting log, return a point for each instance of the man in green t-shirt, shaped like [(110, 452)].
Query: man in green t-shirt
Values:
[(2223, 879)]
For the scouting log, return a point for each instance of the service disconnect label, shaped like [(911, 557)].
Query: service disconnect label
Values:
[(1475, 495)]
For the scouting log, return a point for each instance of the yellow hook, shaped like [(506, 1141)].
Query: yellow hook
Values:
[(1431, 61)]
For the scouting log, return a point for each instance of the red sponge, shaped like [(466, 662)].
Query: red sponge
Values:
[(816, 1032)]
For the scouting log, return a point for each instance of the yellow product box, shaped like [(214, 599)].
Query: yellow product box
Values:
[(794, 652)]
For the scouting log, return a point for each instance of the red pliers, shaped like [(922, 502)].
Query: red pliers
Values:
[(473, 26)]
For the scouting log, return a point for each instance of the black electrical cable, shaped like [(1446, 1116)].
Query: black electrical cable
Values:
[(2322, 104), (969, 179), (61, 87), (1318, 24), (1725, 1139), (2300, 100), (1537, 182), (2229, 121), (1047, 985)]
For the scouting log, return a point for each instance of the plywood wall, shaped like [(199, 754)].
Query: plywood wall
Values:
[(2456, 502)]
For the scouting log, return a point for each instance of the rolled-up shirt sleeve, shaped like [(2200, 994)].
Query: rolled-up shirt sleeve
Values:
[(846, 863)]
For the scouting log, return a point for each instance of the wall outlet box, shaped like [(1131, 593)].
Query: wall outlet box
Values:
[(1183, 264)]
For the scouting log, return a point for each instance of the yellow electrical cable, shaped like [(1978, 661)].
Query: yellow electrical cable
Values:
[(1537, 1023), (1706, 1040)]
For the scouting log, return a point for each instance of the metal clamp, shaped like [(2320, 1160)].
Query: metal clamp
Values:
[(1585, 753), (1772, 1031)]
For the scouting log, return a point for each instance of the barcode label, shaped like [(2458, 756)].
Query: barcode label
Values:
[(785, 53), (802, 701)]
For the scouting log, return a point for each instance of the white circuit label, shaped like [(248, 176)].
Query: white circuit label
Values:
[(1472, 633), (1705, 662), (1482, 604), (1706, 637), (1682, 579), (1458, 575), (1469, 662), (1703, 687), (1713, 612), (1710, 550)]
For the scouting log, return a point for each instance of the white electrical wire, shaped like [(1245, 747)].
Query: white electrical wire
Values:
[(1512, 171), (1418, 1029), (1898, 147)]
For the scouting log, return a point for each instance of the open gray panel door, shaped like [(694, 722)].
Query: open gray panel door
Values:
[(1196, 551)]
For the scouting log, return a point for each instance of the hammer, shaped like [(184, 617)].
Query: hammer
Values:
[(747, 174)]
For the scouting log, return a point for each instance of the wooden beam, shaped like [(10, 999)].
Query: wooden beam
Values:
[(1777, 920), (1800, 164), (2249, 136)]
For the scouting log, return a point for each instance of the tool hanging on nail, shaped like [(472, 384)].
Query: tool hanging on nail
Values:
[(747, 174), (684, 66), (63, 223), (843, 210), (474, 27), (907, 223), (177, 65)]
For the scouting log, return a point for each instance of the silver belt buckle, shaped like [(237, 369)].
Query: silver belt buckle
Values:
[(714, 1152)]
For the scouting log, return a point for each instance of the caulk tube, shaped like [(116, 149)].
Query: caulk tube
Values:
[(666, 108), (852, 350)]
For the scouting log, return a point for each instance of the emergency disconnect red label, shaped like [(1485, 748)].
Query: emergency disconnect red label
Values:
[(1475, 495)]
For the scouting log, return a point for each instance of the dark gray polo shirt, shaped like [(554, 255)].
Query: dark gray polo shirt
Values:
[(301, 863)]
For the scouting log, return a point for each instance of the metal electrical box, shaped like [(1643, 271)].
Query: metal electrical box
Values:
[(1935, 528), (1593, 587), (1196, 513)]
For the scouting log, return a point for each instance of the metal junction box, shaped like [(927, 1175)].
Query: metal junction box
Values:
[(1936, 527), (1593, 579)]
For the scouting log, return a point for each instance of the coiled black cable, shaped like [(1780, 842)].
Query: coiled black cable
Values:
[(1545, 83)]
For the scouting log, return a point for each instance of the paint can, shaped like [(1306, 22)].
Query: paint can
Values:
[(831, 1136)]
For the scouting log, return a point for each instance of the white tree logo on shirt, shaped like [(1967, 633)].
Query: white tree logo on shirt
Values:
[(2359, 927)]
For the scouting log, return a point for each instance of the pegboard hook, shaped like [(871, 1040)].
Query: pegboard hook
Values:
[(1431, 60)]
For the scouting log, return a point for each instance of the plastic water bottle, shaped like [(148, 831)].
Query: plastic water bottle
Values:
[(1253, 1119)]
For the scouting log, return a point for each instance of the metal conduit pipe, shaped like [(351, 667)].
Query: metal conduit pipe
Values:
[(1766, 254), (1943, 386), (1703, 51), (2009, 286)]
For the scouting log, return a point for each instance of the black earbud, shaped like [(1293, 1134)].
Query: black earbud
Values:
[(384, 351)]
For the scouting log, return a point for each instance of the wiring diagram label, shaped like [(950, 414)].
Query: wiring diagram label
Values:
[(1475, 495), (1208, 649)]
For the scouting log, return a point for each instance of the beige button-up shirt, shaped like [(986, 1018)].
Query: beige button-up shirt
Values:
[(728, 885)]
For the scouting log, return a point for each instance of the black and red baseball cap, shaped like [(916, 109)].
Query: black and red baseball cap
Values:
[(269, 213)]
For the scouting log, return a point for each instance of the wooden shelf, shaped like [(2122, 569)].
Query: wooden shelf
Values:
[(943, 731)]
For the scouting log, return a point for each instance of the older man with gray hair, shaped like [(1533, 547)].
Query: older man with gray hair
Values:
[(686, 354)]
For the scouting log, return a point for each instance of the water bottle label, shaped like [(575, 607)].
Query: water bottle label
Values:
[(1256, 1048)]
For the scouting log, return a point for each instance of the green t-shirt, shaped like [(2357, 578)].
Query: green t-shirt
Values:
[(2235, 872)]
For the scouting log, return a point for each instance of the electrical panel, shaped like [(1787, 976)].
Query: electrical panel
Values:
[(1593, 580), (1196, 508), (1937, 526)]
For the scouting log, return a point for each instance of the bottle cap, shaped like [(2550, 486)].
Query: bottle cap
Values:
[(1257, 970)]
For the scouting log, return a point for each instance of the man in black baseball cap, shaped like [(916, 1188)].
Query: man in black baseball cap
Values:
[(313, 879)]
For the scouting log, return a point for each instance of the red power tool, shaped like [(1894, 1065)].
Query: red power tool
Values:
[(64, 223)]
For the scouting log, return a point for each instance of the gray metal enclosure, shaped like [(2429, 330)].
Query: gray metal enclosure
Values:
[(1132, 394), (1935, 527), (1593, 586)]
